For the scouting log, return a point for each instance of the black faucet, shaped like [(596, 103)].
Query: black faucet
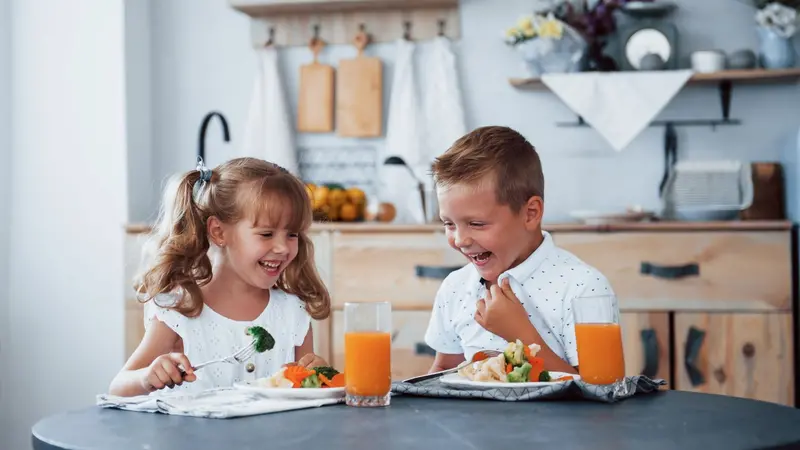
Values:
[(201, 152)]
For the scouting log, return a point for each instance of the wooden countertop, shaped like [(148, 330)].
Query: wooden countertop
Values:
[(375, 227)]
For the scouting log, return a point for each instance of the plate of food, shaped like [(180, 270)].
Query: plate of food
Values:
[(296, 382), (517, 367)]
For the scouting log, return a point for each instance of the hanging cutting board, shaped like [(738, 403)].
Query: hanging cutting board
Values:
[(315, 102), (359, 94)]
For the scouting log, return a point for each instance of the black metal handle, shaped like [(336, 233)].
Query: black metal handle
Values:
[(650, 344), (437, 272), (694, 340), (422, 349), (669, 272)]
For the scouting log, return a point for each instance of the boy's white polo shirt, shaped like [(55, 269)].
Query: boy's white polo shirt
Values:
[(546, 283)]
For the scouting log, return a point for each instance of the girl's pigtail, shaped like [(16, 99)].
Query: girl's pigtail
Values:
[(180, 258)]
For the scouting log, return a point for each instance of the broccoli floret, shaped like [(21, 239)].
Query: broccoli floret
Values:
[(519, 374), (264, 340), (544, 376), (515, 353), (311, 381), (329, 372)]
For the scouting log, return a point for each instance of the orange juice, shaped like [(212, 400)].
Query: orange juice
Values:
[(600, 359), (367, 363)]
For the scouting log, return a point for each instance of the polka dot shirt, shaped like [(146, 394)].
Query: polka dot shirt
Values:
[(546, 283)]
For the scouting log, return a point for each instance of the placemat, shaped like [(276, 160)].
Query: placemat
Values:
[(575, 389)]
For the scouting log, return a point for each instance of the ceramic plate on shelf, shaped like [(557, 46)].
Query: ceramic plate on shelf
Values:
[(291, 393), (600, 218), (456, 381)]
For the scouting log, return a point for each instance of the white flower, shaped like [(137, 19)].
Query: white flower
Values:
[(779, 18)]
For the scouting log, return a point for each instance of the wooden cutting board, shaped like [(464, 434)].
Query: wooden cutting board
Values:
[(359, 94), (315, 102)]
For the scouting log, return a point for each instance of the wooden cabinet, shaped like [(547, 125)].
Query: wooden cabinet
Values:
[(707, 307), (738, 354), (646, 344)]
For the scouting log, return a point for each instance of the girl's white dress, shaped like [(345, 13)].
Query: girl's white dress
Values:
[(211, 336)]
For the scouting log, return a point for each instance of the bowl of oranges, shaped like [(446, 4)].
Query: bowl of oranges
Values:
[(336, 203)]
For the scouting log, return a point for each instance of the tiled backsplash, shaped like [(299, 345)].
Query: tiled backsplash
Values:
[(347, 165)]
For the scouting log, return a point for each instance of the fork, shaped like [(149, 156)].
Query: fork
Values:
[(478, 356), (238, 356)]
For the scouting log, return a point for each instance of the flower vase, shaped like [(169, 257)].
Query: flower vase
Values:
[(774, 51)]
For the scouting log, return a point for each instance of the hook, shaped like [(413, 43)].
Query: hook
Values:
[(407, 30), (271, 38), (362, 27), (316, 32), (441, 27)]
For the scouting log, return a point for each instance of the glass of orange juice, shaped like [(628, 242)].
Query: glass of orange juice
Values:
[(599, 339), (367, 353)]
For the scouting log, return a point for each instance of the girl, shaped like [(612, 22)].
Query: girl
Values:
[(253, 217)]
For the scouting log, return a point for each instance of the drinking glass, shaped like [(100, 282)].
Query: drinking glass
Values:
[(599, 340), (368, 353)]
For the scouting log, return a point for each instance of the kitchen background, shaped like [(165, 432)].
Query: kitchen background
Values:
[(100, 100)]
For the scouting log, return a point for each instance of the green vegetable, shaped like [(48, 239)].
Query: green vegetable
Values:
[(515, 353), (329, 372), (544, 376), (519, 374), (264, 340), (311, 381)]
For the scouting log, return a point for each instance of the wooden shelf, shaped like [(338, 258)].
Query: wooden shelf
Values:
[(290, 22), (267, 8), (754, 76)]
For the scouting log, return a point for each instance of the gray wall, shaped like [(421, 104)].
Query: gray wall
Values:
[(5, 201), (195, 71)]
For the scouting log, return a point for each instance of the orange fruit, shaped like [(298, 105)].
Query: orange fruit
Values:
[(348, 212), (386, 212)]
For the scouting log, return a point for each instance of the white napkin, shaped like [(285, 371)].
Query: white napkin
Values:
[(268, 132), (618, 105), (221, 403), (444, 111)]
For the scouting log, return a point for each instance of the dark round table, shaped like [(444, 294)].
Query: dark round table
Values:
[(668, 420)]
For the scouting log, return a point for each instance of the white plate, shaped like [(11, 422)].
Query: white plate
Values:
[(291, 393), (456, 381)]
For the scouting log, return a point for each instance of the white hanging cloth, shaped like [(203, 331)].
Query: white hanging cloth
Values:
[(268, 132), (404, 135), (619, 105), (444, 110)]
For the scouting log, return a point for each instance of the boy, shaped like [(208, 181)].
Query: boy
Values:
[(519, 285)]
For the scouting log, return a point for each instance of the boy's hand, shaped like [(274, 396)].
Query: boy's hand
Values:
[(503, 314)]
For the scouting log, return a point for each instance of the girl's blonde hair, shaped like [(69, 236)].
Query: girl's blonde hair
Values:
[(240, 189)]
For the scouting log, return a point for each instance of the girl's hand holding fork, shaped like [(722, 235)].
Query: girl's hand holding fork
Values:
[(164, 372)]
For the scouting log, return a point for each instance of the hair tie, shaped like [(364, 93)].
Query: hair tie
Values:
[(280, 168), (205, 177)]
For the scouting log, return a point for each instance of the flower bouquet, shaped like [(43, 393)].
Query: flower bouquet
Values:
[(547, 44), (777, 23)]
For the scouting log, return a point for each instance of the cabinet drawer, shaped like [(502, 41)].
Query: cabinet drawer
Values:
[(410, 355), (383, 267), (745, 271), (746, 355)]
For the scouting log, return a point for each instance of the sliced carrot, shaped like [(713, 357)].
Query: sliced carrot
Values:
[(537, 366), (296, 374), (479, 356), (564, 378), (337, 381), (325, 381), (509, 368)]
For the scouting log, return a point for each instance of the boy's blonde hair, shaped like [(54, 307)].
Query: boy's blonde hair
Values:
[(240, 189), (494, 153)]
